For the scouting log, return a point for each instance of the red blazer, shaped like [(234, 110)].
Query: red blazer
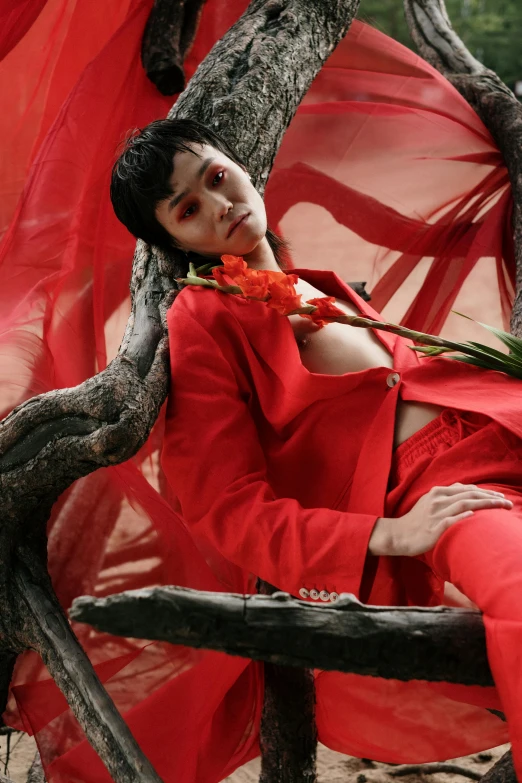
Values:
[(280, 472)]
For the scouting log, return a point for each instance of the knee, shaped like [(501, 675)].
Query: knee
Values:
[(482, 557)]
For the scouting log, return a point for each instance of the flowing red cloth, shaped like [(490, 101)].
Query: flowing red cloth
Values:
[(16, 17), (385, 175)]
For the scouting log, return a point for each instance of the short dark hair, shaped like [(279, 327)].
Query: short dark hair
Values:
[(141, 178)]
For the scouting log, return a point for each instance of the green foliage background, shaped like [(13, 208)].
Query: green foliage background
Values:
[(491, 29)]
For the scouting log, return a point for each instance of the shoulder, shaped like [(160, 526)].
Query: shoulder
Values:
[(216, 312), (219, 332)]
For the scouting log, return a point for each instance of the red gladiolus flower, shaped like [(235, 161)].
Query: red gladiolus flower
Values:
[(254, 284), (276, 288), (217, 274), (263, 284), (325, 307), (283, 296), (234, 266)]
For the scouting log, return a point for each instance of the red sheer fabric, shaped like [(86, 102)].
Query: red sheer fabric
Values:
[(15, 20), (385, 175)]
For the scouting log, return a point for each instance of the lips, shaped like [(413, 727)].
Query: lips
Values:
[(236, 223)]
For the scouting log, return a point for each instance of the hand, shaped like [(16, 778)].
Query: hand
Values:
[(419, 530)]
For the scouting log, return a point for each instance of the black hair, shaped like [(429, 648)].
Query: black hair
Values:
[(142, 173)]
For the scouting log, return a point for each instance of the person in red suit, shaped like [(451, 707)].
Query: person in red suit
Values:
[(385, 171), (326, 460)]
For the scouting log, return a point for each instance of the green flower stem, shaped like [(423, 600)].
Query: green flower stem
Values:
[(472, 353), (401, 331), (208, 283)]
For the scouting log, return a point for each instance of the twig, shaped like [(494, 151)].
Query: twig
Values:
[(432, 769)]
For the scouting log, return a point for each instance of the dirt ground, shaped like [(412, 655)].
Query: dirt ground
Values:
[(335, 768), (332, 767)]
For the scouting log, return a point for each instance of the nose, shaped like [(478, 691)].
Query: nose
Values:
[(220, 204)]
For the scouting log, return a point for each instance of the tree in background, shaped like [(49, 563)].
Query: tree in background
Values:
[(489, 28)]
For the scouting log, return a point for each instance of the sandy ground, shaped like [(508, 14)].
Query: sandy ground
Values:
[(335, 768), (19, 754), (332, 767)]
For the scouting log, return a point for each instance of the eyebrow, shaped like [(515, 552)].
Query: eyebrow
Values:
[(176, 199)]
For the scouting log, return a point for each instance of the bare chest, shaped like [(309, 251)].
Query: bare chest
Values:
[(336, 348)]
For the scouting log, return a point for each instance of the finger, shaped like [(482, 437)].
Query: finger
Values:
[(454, 489), (461, 506), (471, 494)]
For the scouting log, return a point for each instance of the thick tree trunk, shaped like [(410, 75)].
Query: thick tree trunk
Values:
[(261, 68), (288, 733)]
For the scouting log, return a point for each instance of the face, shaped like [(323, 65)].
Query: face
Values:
[(214, 208)]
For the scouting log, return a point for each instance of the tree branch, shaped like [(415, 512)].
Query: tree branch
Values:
[(49, 633), (493, 101), (433, 769), (168, 36), (501, 772), (36, 772), (439, 645)]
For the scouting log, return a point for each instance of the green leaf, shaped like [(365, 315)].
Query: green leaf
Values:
[(488, 365), (508, 358), (512, 342), (203, 270)]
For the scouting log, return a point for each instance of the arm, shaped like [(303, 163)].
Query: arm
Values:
[(215, 463)]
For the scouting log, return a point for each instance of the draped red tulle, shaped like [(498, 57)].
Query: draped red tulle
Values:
[(385, 175)]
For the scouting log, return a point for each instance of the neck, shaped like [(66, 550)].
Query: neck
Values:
[(262, 257)]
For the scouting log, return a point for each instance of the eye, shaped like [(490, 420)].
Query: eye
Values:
[(218, 178), (189, 211)]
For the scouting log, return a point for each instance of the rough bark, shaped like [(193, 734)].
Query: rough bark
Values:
[(493, 101), (168, 36), (36, 773), (288, 732), (248, 89), (47, 631), (440, 645), (501, 772)]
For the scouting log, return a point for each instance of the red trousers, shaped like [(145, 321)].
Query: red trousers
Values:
[(481, 555)]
